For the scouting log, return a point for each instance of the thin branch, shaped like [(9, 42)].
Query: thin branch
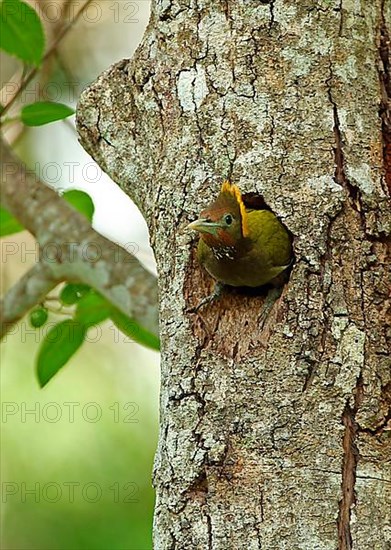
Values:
[(72, 250), (25, 294)]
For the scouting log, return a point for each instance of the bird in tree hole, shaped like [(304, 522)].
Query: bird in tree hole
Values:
[(242, 247)]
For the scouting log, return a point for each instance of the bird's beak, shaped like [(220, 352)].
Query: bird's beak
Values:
[(203, 226)]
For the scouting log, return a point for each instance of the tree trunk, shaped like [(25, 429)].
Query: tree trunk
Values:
[(273, 438)]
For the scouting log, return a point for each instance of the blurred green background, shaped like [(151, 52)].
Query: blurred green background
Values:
[(76, 472), (77, 456)]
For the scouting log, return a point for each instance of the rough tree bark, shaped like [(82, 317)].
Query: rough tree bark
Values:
[(269, 439)]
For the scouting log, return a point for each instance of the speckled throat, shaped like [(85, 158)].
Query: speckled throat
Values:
[(224, 252)]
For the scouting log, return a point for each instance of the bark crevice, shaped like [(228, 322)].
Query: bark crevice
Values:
[(385, 86), (349, 468), (340, 176)]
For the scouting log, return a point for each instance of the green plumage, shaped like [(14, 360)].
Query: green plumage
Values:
[(253, 260)]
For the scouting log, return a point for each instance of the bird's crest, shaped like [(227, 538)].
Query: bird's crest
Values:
[(234, 192)]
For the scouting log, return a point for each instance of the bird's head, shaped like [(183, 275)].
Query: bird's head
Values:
[(224, 222)]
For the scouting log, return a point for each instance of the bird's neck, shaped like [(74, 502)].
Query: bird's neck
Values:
[(220, 240), (225, 248)]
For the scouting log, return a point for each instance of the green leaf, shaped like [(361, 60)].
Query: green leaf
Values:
[(81, 201), (133, 330), (38, 317), (58, 346), (8, 224), (92, 309), (21, 31), (43, 112), (71, 293)]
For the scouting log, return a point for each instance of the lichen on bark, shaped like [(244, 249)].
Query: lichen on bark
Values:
[(271, 438)]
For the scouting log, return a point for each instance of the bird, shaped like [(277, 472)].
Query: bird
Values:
[(242, 247)]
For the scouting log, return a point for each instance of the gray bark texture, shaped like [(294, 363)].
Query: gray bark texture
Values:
[(275, 438)]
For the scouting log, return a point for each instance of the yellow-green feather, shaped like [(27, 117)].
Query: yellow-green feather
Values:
[(261, 257)]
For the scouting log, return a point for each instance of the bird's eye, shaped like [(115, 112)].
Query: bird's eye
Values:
[(228, 219)]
